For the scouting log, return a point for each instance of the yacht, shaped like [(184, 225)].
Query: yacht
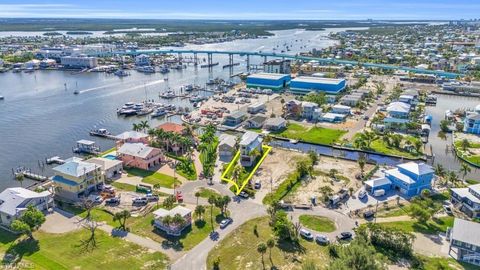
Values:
[(121, 73), (144, 111), (159, 113), (167, 95), (146, 69)]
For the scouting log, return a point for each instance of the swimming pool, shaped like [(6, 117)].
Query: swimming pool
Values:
[(111, 157)]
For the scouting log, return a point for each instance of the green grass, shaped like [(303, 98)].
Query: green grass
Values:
[(123, 186), (289, 185), (101, 215), (64, 251), (435, 263), (207, 192), (433, 226), (190, 172), (190, 237), (317, 135), (472, 181), (238, 250), (317, 223), (107, 151), (153, 178), (381, 147), (257, 130)]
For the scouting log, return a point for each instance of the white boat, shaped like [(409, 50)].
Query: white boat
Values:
[(167, 95), (144, 111), (159, 113), (146, 69), (121, 73)]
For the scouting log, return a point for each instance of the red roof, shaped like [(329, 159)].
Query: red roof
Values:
[(172, 127)]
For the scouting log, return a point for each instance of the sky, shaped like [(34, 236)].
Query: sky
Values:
[(244, 9)]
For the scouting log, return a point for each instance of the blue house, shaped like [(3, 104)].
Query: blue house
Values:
[(472, 124), (407, 178)]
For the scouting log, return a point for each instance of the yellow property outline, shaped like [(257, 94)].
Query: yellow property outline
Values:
[(265, 148)]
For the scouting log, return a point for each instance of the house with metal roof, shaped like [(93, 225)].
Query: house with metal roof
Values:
[(465, 241), (132, 137), (275, 124), (234, 119), (226, 146), (272, 81), (467, 200), (172, 228), (140, 156), (14, 202), (110, 167), (306, 84), (249, 142), (472, 123), (76, 179)]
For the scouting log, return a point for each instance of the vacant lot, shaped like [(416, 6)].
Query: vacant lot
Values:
[(318, 135)]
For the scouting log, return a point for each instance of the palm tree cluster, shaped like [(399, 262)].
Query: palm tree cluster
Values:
[(142, 126), (364, 140), (172, 142), (174, 221), (208, 150)]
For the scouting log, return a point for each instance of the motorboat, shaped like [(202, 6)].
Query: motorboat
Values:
[(167, 95), (144, 111), (121, 73), (101, 132), (158, 113)]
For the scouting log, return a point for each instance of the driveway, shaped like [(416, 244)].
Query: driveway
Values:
[(60, 222)]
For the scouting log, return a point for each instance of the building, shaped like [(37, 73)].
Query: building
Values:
[(142, 60), (235, 118), (333, 117), (255, 121), (76, 179), (256, 108), (472, 121), (268, 80), (139, 155), (465, 239), (277, 66), (32, 64), (275, 124), (132, 137), (398, 115), (292, 108), (308, 110), (304, 85), (14, 202), (110, 168), (80, 61), (350, 100), (467, 200), (408, 178), (172, 127), (172, 228), (227, 146), (341, 109), (48, 63), (249, 142)]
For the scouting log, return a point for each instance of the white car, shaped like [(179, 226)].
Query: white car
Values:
[(306, 234), (362, 194)]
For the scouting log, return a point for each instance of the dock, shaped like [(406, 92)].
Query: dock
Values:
[(54, 160), (27, 173)]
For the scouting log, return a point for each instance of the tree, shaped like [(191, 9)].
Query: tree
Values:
[(136, 127), (313, 157), (169, 202), (91, 225), (211, 200), (418, 145), (199, 211), (21, 227), (465, 169), (270, 245), (267, 139), (439, 170), (122, 217), (465, 144), (361, 163), (178, 220), (144, 125), (359, 255), (419, 213), (237, 172), (326, 192), (20, 177), (262, 248), (197, 195)]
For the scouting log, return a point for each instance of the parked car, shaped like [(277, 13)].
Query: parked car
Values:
[(243, 194), (258, 184), (151, 197), (112, 201), (362, 194), (322, 239), (344, 236), (306, 234), (98, 199), (448, 210), (140, 201), (369, 214), (224, 223)]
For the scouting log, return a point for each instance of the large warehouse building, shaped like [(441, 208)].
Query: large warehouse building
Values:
[(305, 84), (268, 80)]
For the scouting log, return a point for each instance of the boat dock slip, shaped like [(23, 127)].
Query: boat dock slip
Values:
[(54, 160), (28, 174)]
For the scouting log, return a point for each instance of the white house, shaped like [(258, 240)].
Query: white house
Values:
[(308, 110), (172, 229), (110, 168), (14, 201), (226, 146), (256, 108), (341, 109), (250, 141), (142, 60)]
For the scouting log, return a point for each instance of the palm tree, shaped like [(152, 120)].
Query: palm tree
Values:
[(178, 220), (464, 170), (167, 221), (418, 146), (144, 125), (267, 139), (237, 173), (20, 177), (136, 127), (197, 195), (452, 177), (199, 211), (262, 248), (270, 245), (211, 200), (439, 170), (361, 163), (255, 153), (465, 144)]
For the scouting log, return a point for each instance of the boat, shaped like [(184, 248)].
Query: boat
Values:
[(158, 113), (86, 147), (188, 88), (128, 112), (195, 99), (167, 95), (146, 69), (209, 65), (101, 132), (121, 73), (2, 97), (76, 92), (293, 141), (164, 70), (144, 111)]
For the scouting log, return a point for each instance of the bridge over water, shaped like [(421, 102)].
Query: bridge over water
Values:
[(248, 54)]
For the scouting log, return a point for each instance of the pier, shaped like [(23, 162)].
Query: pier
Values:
[(54, 160), (27, 173)]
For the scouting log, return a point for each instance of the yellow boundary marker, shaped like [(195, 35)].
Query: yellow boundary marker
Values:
[(265, 148)]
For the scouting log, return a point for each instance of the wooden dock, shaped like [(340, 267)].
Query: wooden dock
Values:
[(27, 173), (54, 160)]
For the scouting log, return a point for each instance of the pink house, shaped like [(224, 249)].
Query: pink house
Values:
[(132, 137), (139, 155)]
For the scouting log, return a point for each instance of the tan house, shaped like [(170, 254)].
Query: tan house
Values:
[(140, 156)]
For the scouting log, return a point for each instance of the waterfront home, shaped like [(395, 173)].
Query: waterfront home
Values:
[(256, 108), (408, 178), (227, 146), (110, 168), (341, 109), (399, 110), (76, 179), (465, 240), (14, 201), (467, 200), (333, 117), (308, 110), (142, 60), (292, 108), (235, 118), (132, 137), (172, 228), (275, 124), (172, 127), (255, 121), (472, 122), (139, 155), (249, 142)]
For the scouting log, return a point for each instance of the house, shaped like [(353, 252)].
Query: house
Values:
[(407, 178), (249, 142), (409, 99), (110, 168), (465, 239), (333, 117), (76, 179), (256, 108), (293, 108), (472, 123), (235, 118), (255, 121), (172, 229), (398, 110), (142, 60), (275, 124), (467, 200), (227, 146), (139, 155), (172, 127), (132, 137), (350, 100), (308, 110), (341, 109), (14, 201)]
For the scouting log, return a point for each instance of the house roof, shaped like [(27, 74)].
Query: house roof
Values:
[(249, 137), (341, 107), (13, 198), (105, 163), (398, 107), (416, 168), (172, 127), (160, 213), (473, 116), (268, 76), (136, 149), (463, 230), (465, 193), (258, 119), (227, 139), (402, 177), (378, 182), (277, 121), (75, 167), (309, 104), (237, 114), (131, 135), (85, 142)]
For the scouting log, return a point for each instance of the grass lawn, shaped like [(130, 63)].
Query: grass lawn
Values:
[(64, 251), (318, 135), (433, 226), (207, 192), (381, 147), (190, 172), (101, 215), (317, 223), (190, 237), (125, 187), (153, 178), (239, 250), (435, 263)]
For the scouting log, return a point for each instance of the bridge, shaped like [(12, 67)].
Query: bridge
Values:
[(248, 54)]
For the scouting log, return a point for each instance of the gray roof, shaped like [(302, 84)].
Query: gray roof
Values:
[(12, 199), (473, 116), (227, 139), (135, 149), (466, 231), (131, 135), (75, 167), (259, 119), (417, 168), (249, 137), (237, 114), (277, 121)]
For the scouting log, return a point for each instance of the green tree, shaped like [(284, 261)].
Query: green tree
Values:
[(212, 200), (270, 245), (361, 163), (197, 195), (199, 211), (31, 218), (262, 248), (359, 255), (313, 157), (419, 213), (20, 177), (465, 169), (21, 227), (122, 217), (465, 144)]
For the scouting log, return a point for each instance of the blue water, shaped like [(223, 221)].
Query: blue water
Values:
[(111, 157)]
